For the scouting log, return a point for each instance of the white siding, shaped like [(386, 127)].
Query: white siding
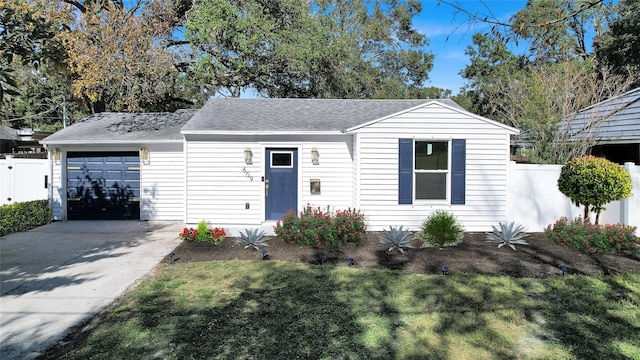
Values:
[(487, 155), (162, 183), (335, 172), (218, 186), (58, 192), (219, 182)]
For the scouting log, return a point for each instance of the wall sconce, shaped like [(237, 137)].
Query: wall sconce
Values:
[(56, 154), (248, 156), (144, 155), (315, 156)]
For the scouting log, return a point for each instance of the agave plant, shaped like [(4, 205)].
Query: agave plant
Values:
[(398, 238), (252, 238), (509, 234)]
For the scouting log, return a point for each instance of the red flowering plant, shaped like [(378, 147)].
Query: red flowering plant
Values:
[(583, 235), (203, 233), (316, 227)]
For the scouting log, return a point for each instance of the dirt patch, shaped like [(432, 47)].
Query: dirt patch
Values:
[(541, 258)]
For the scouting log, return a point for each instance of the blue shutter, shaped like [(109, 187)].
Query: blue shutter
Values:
[(405, 171), (458, 160)]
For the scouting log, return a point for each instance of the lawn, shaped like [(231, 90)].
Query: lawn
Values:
[(284, 310)]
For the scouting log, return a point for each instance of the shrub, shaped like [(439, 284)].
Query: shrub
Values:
[(594, 182), (23, 216), (583, 235), (203, 233), (349, 227), (441, 228), (316, 227)]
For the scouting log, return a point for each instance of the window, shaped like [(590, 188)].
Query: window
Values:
[(282, 159), (431, 168)]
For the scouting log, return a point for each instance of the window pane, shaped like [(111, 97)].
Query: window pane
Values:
[(432, 155), (431, 186), (281, 159)]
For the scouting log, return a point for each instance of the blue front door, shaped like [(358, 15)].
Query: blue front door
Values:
[(281, 182)]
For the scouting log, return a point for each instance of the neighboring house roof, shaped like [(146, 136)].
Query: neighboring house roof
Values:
[(620, 119), (7, 133), (123, 128), (279, 115)]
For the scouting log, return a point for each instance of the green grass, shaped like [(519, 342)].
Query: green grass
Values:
[(277, 310)]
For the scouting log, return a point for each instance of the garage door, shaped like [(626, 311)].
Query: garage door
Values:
[(103, 185)]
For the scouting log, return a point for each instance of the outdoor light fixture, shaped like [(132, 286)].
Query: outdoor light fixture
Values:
[(56, 154), (350, 261), (564, 269), (248, 156), (144, 155), (445, 270), (315, 156), (171, 255), (264, 254)]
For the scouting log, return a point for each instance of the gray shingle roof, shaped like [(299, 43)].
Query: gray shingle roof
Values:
[(123, 128), (621, 116), (293, 115), (7, 133)]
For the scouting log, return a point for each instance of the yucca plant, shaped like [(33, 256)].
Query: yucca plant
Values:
[(509, 234), (252, 238), (398, 238)]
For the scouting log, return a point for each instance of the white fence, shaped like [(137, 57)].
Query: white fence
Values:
[(535, 201), (24, 180)]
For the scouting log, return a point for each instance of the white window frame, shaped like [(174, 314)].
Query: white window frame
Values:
[(447, 172), (278, 152)]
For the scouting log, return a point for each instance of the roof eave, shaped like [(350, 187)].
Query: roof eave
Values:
[(108, 142), (511, 130), (258, 133)]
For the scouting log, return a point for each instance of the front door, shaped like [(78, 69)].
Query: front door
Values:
[(281, 182)]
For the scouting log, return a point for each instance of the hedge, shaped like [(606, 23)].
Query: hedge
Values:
[(24, 216)]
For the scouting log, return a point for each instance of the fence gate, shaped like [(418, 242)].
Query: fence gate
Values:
[(23, 180)]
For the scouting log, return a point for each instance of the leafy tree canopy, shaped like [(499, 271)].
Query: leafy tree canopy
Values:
[(619, 46), (321, 48)]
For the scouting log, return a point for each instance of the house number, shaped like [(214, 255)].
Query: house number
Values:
[(247, 173)]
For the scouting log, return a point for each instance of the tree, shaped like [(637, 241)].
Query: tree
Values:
[(594, 182), (544, 100), (619, 46), (122, 59), (322, 48), (27, 32), (491, 60)]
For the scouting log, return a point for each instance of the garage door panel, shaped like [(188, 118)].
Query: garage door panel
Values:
[(103, 185)]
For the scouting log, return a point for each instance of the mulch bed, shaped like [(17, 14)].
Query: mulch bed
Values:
[(541, 258)]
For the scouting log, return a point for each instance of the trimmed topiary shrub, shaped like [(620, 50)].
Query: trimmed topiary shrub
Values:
[(24, 216), (594, 182), (441, 228)]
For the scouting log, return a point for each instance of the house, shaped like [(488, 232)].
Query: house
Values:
[(22, 142), (245, 162), (615, 127)]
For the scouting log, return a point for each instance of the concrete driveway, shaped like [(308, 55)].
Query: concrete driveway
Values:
[(58, 275)]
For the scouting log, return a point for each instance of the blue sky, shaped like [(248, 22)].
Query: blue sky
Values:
[(449, 35)]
